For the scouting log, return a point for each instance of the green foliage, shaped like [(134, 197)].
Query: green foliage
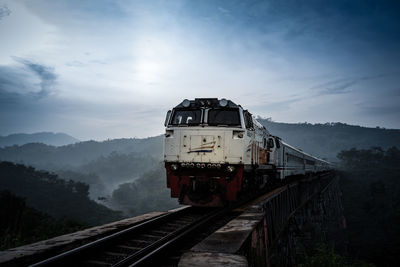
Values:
[(148, 193), (119, 167), (373, 158), (96, 185), (327, 140), (57, 197), (102, 165), (371, 200), (325, 256), (21, 224)]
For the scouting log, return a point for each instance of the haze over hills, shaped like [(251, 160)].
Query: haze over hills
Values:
[(327, 140), (103, 165), (107, 164), (48, 138), (322, 140), (128, 175), (47, 156)]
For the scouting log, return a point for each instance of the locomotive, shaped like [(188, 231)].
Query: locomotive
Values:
[(215, 152)]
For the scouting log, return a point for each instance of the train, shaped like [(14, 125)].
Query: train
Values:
[(215, 152)]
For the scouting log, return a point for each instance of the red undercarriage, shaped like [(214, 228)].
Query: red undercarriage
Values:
[(204, 187)]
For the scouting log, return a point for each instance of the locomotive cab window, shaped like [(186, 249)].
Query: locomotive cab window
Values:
[(167, 118), (223, 117), (186, 117)]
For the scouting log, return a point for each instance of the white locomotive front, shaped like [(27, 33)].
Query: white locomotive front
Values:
[(207, 131), (214, 150)]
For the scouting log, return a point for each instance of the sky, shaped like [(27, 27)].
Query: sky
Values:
[(112, 69)]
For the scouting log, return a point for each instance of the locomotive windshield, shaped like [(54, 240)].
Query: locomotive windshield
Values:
[(186, 117), (221, 117)]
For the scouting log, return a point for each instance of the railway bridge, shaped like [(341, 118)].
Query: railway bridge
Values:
[(271, 230)]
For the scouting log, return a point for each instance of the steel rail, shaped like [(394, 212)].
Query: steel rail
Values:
[(102, 241), (146, 253), (171, 239)]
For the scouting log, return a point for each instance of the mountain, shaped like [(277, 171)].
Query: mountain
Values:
[(322, 140), (48, 138), (50, 157), (102, 165), (52, 195), (107, 164), (327, 140)]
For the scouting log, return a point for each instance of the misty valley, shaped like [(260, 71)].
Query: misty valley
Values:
[(99, 182)]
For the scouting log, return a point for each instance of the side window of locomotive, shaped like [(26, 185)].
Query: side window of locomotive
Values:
[(270, 143), (278, 144), (223, 117), (264, 143), (248, 120), (186, 117)]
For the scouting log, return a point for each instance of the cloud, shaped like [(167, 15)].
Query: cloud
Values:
[(278, 105), (4, 11), (342, 86), (117, 63), (31, 78), (380, 110), (24, 93), (44, 73)]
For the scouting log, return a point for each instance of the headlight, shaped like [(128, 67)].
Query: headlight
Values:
[(186, 103), (174, 167), (230, 168), (223, 102), (237, 134)]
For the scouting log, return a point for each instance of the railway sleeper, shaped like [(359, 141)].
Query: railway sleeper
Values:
[(130, 248), (156, 237), (96, 263), (141, 241), (159, 232), (117, 254)]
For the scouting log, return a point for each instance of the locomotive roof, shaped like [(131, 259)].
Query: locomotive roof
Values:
[(207, 102)]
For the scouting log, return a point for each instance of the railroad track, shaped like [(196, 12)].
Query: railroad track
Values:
[(138, 244)]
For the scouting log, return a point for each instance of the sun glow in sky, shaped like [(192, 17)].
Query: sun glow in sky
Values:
[(108, 69)]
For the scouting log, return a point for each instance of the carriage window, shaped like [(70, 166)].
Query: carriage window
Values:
[(186, 117), (228, 117)]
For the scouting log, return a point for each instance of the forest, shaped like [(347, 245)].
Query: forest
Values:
[(37, 205), (328, 139), (370, 182), (21, 224), (118, 178)]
